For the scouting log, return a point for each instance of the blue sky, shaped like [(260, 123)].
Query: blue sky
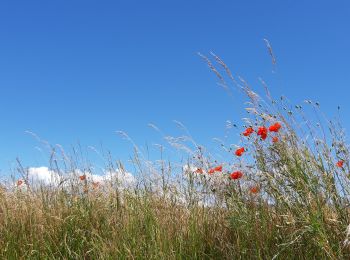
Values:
[(77, 71)]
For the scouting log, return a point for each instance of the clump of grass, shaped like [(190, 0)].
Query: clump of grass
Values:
[(283, 192)]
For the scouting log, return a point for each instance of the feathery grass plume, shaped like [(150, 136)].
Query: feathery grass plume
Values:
[(269, 48)]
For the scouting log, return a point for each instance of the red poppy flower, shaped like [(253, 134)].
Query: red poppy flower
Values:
[(95, 184), (254, 189), (275, 139), (82, 177), (236, 175), (275, 127), (248, 131), (340, 163), (19, 182), (199, 170), (262, 131), (240, 151), (218, 168)]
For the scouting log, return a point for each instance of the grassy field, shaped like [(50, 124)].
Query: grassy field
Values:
[(283, 194)]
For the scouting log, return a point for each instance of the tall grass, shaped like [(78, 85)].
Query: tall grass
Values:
[(291, 203)]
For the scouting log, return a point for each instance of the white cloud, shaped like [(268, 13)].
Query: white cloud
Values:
[(124, 179), (43, 176)]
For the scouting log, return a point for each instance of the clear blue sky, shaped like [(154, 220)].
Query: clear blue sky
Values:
[(80, 70)]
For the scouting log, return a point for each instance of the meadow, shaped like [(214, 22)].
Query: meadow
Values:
[(283, 193)]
